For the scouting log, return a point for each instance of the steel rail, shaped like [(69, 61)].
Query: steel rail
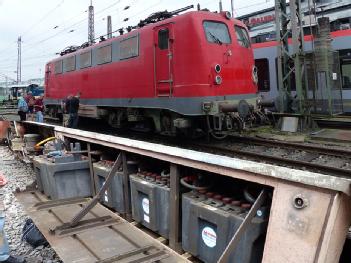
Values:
[(276, 160), (296, 146)]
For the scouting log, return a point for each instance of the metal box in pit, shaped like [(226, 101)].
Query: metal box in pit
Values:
[(150, 203), (39, 164), (208, 227), (113, 197), (63, 177)]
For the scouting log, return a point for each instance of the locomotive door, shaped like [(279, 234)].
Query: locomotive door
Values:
[(163, 52)]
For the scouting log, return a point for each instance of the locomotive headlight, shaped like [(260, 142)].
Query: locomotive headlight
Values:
[(218, 80), (218, 68), (227, 15), (254, 74)]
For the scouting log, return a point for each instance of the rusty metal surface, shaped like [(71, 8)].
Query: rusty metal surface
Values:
[(117, 241), (230, 166), (216, 163), (4, 126)]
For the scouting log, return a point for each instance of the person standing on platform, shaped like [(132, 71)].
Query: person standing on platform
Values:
[(30, 102), (39, 109), (72, 107), (22, 108)]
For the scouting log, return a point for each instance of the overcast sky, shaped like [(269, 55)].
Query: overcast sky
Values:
[(47, 27)]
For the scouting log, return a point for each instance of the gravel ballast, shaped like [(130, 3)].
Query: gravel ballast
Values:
[(19, 175)]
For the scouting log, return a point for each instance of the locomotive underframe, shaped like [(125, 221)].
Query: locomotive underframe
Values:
[(214, 116)]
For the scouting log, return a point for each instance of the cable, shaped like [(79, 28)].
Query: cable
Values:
[(133, 15), (34, 25), (43, 18), (69, 27), (34, 45)]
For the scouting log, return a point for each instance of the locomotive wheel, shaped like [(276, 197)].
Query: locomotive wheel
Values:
[(166, 123), (218, 136), (215, 135), (146, 125)]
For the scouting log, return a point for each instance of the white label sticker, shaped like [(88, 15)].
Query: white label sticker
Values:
[(146, 218), (146, 205), (209, 236)]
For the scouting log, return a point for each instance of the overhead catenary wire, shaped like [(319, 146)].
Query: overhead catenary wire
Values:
[(36, 24), (38, 43), (35, 45), (42, 18), (71, 26)]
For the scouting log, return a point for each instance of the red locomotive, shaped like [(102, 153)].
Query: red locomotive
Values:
[(193, 71)]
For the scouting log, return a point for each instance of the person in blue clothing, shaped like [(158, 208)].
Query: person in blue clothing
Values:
[(5, 256), (39, 109), (22, 108)]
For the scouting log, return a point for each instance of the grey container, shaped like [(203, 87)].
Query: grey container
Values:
[(207, 230), (60, 179), (67, 180), (39, 164), (150, 204), (113, 197)]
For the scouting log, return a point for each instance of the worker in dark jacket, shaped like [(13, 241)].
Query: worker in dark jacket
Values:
[(72, 107)]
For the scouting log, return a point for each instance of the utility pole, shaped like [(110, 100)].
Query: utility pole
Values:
[(6, 85), (19, 59), (91, 31), (220, 6), (109, 27), (289, 63), (232, 7)]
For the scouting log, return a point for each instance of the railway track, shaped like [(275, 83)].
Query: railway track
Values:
[(304, 156), (327, 160)]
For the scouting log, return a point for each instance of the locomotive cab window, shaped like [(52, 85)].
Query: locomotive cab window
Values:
[(242, 36), (217, 32), (163, 38), (58, 67)]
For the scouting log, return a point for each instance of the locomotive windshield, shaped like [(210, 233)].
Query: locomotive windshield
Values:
[(242, 36), (217, 32)]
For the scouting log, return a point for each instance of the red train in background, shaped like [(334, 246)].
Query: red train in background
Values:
[(190, 72)]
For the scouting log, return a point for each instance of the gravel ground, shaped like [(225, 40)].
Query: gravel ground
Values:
[(19, 175)]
